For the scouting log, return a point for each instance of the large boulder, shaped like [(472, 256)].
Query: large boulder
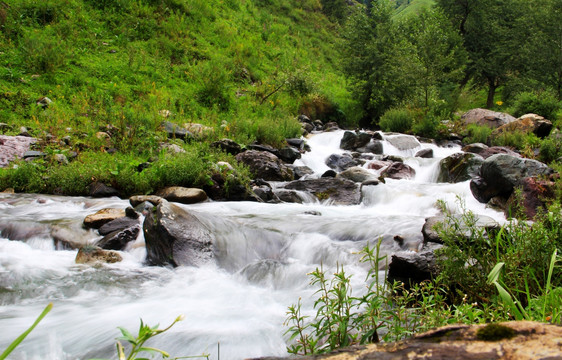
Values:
[(529, 123), (500, 173), (459, 167), (175, 237), (289, 154), (13, 147), (183, 195), (357, 174), (340, 191), (399, 171), (489, 118), (265, 165)]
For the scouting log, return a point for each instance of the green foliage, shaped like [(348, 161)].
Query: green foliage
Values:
[(397, 120), (544, 104), (550, 149), (20, 338), (477, 134)]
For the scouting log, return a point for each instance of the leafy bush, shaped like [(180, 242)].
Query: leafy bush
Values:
[(396, 120), (550, 149), (541, 103), (477, 134)]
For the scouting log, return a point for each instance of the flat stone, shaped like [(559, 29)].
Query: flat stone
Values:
[(102, 217)]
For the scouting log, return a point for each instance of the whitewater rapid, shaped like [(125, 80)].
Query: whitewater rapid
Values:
[(264, 253)]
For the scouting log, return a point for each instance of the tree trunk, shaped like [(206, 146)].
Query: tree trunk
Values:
[(492, 86)]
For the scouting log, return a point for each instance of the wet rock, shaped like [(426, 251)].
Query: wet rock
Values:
[(425, 153), (493, 150), (331, 126), (139, 199), (288, 196), (411, 267), (340, 162), (492, 119), (118, 239), (357, 174), (378, 164), (373, 147), (228, 146), (103, 216), (117, 225), (403, 142), (304, 119), (500, 173), (399, 171), (93, 255), (433, 226), (296, 143), (352, 140), (289, 154), (23, 230), (308, 128), (329, 174), (459, 167), (175, 237), (182, 195), (340, 191), (100, 190), (318, 125), (264, 192), (71, 236), (301, 171), (529, 123), (265, 165)]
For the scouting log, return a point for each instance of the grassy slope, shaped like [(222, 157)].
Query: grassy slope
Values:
[(118, 63), (414, 7)]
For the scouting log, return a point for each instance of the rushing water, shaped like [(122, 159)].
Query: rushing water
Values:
[(264, 252)]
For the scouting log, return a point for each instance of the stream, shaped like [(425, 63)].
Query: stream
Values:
[(264, 254)]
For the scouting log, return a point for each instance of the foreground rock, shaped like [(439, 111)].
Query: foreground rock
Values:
[(265, 165), (182, 195), (340, 191), (501, 173), (492, 119), (411, 267), (175, 237), (521, 340), (431, 229)]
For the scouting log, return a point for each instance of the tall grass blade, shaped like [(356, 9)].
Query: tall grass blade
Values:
[(20, 338)]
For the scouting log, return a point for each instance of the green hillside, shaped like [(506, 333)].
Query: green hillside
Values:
[(407, 7), (245, 68)]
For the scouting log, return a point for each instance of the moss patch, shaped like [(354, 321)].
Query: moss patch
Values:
[(495, 332)]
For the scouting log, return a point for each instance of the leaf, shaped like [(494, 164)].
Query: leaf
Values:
[(494, 275), (20, 338), (127, 336)]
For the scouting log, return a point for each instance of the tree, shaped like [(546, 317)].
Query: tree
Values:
[(376, 60)]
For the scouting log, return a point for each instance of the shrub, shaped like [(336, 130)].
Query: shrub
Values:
[(543, 103), (396, 120), (550, 150), (477, 134)]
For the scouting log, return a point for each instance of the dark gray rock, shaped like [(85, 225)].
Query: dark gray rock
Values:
[(289, 154), (265, 165), (228, 146), (304, 119), (373, 147), (296, 143), (288, 196), (301, 171), (352, 140), (399, 171), (500, 173), (340, 162), (175, 237), (117, 225), (100, 190), (433, 226), (329, 174), (118, 239), (318, 125), (331, 126), (459, 167), (412, 268), (425, 153), (340, 191), (33, 154)]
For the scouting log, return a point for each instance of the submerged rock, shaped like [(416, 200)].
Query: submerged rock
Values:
[(175, 237), (92, 255), (399, 171)]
